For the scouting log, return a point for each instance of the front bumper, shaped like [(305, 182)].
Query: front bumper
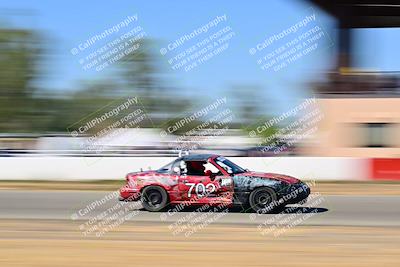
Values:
[(297, 192)]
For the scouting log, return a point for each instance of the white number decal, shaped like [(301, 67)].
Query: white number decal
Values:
[(191, 188), (226, 182), (210, 188), (201, 189)]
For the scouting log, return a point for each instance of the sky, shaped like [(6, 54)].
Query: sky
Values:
[(66, 24)]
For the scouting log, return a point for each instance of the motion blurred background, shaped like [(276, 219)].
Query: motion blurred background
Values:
[(306, 88), (354, 80)]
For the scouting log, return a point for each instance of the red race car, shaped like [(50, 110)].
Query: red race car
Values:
[(214, 180)]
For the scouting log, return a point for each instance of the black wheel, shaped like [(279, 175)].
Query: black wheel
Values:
[(154, 198), (263, 200)]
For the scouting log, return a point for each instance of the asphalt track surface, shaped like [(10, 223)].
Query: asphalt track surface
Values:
[(333, 210)]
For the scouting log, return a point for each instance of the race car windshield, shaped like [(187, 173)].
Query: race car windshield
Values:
[(229, 166), (165, 169)]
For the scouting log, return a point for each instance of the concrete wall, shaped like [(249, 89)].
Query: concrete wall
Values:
[(79, 168)]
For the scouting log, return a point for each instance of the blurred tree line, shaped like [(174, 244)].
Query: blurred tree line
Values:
[(19, 50), (26, 108)]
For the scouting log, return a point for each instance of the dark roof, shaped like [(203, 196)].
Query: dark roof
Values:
[(363, 13), (197, 157)]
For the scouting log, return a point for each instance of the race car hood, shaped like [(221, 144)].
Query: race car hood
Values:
[(142, 173), (274, 176)]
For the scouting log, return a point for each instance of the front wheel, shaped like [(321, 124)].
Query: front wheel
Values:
[(154, 198), (264, 200)]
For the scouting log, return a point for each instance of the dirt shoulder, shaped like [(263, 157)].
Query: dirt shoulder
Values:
[(60, 243)]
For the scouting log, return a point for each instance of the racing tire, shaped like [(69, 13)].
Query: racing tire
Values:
[(154, 198), (264, 200)]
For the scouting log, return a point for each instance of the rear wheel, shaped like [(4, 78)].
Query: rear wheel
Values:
[(154, 198), (264, 200)]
